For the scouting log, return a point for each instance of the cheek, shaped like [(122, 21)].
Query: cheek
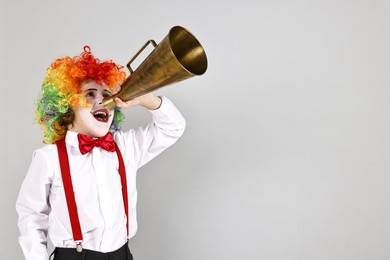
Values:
[(90, 100), (87, 102), (83, 114)]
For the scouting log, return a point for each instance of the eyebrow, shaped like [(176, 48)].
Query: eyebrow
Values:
[(95, 89)]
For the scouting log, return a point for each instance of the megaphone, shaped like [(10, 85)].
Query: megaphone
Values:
[(177, 57)]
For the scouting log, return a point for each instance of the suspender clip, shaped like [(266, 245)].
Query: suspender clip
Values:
[(79, 247)]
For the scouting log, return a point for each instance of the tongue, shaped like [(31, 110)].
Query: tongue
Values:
[(100, 118)]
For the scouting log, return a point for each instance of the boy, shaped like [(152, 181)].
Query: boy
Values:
[(80, 189)]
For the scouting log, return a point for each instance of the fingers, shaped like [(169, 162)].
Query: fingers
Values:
[(149, 101), (122, 104)]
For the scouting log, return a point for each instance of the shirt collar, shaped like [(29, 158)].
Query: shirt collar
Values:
[(71, 138)]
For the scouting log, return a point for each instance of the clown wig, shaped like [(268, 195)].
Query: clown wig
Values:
[(62, 89)]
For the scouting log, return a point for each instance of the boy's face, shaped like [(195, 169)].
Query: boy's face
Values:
[(94, 120)]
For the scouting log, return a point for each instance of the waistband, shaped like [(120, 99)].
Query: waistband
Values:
[(61, 253)]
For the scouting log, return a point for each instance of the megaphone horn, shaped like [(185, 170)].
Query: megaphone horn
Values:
[(177, 57)]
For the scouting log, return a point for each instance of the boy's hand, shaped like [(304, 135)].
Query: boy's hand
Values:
[(148, 101)]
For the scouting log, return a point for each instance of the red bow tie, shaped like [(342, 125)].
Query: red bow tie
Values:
[(87, 143)]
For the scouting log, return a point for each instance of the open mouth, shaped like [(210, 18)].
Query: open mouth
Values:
[(101, 115)]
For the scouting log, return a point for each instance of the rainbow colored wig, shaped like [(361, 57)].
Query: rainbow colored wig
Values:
[(62, 89)]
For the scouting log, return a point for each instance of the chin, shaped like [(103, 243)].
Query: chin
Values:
[(99, 133)]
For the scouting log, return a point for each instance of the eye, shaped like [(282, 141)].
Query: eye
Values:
[(106, 94), (90, 94)]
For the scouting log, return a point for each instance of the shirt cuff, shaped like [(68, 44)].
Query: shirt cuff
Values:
[(165, 107)]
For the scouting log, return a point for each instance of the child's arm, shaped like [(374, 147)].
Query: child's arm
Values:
[(166, 128), (33, 209)]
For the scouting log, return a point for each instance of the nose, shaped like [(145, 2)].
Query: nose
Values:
[(99, 98), (97, 101)]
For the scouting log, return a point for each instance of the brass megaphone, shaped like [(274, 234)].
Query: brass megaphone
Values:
[(178, 56)]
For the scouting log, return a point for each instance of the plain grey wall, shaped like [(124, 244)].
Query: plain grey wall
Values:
[(287, 149)]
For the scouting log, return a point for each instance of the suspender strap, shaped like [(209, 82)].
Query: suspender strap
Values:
[(69, 192), (122, 173)]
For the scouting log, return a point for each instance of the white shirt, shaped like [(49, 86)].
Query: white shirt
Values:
[(41, 204)]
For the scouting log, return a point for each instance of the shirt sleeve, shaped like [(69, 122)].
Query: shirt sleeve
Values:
[(166, 127), (33, 208)]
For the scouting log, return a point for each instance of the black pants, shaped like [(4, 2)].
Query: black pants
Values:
[(122, 253)]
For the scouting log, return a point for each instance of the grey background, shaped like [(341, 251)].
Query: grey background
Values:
[(286, 152)]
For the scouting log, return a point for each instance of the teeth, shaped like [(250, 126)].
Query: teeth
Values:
[(100, 113)]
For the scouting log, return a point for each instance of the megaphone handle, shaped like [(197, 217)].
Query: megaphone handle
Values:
[(139, 52)]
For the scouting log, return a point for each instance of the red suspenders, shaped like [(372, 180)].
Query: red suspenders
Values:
[(69, 194)]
